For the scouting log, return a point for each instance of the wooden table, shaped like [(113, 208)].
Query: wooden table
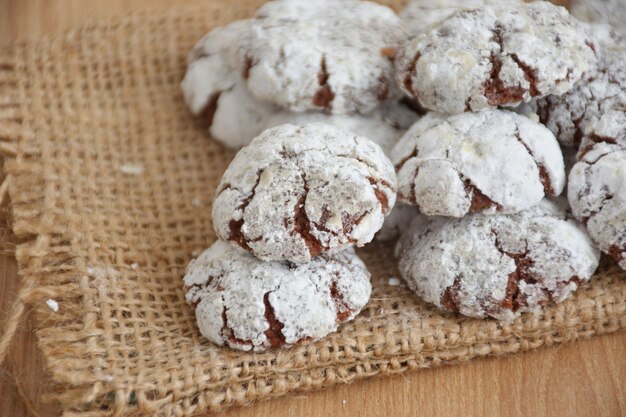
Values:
[(587, 378)]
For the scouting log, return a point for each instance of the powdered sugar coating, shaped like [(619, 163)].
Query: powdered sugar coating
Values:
[(295, 192), (248, 304), (601, 90), (420, 16), (214, 89), (500, 54), (326, 54), (597, 185), (489, 161), (384, 125), (497, 266)]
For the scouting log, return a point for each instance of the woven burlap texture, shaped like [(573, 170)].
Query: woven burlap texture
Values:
[(111, 183)]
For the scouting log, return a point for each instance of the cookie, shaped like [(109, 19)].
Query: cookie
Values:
[(384, 125), (331, 55), (601, 90), (497, 266), (489, 161), (296, 192), (597, 185), (247, 304), (397, 221), (611, 12), (421, 16), (216, 93), (498, 55)]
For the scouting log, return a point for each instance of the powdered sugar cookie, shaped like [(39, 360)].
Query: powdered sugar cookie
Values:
[(497, 266), (248, 304), (489, 161), (326, 54), (384, 125), (601, 90), (597, 185), (498, 55), (215, 91), (296, 192)]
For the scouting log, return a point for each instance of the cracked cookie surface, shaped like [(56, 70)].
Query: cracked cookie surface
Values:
[(601, 90), (215, 91), (489, 161), (597, 185), (498, 55), (333, 55), (384, 126), (247, 304), (296, 192), (497, 266)]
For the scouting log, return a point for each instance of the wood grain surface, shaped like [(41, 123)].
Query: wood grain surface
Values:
[(586, 378)]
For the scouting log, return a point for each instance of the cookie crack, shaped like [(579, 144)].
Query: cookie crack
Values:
[(228, 332), (494, 89), (302, 224), (450, 299), (236, 235), (342, 308), (324, 95), (514, 298), (274, 333), (478, 200), (408, 78), (529, 74), (544, 177)]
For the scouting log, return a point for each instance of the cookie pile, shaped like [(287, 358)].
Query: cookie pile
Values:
[(463, 109)]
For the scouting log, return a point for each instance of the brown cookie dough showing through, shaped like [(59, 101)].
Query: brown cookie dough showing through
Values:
[(247, 304), (497, 266), (500, 54), (296, 192)]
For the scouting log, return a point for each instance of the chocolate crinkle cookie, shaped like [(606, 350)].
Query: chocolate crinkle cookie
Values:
[(497, 55), (489, 161), (384, 126), (296, 192), (597, 185), (601, 90), (497, 266), (215, 92), (333, 55), (247, 304)]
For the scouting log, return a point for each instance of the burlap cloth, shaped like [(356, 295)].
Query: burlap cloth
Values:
[(111, 183)]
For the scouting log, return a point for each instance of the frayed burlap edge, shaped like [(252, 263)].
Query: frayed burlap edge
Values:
[(63, 258)]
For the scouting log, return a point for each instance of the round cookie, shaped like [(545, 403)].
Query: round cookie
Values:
[(215, 91), (599, 91), (384, 125), (597, 185), (497, 266), (489, 161), (296, 192), (497, 55), (332, 55), (247, 304)]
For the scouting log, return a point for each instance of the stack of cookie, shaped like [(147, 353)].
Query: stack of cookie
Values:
[(326, 98), (497, 247)]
